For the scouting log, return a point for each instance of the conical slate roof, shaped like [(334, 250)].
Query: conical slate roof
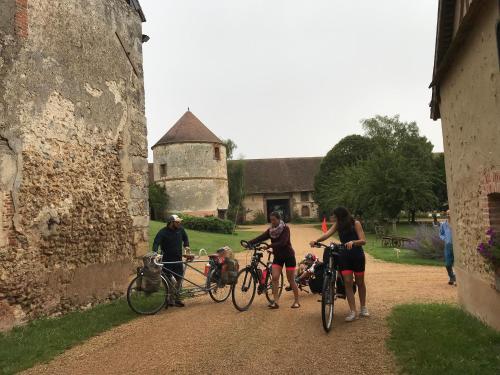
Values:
[(188, 129)]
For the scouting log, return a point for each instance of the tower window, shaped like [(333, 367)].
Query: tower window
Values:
[(163, 170), (217, 153), (304, 196)]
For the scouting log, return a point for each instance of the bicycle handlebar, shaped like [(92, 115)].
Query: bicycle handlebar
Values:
[(258, 246), (333, 246)]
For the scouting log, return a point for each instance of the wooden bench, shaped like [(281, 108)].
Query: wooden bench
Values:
[(395, 241)]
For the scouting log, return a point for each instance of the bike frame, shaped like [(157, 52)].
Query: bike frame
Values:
[(196, 288), (256, 261)]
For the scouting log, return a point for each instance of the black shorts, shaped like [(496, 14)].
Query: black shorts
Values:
[(288, 261), (352, 261)]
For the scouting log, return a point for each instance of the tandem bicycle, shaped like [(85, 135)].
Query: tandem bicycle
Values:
[(149, 301)]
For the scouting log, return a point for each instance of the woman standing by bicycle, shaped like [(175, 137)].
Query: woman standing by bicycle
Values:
[(284, 255), (352, 261)]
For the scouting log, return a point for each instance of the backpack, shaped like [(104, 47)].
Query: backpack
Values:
[(151, 280), (229, 271)]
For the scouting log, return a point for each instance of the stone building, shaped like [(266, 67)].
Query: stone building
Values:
[(190, 161), (282, 184), (73, 153), (466, 96)]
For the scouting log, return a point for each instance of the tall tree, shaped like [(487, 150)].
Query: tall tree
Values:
[(158, 201), (235, 175), (346, 153), (388, 170), (230, 148)]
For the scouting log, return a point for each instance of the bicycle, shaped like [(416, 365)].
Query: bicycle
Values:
[(146, 300), (252, 279), (329, 290)]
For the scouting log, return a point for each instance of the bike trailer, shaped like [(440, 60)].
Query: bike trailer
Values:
[(151, 279), (229, 272)]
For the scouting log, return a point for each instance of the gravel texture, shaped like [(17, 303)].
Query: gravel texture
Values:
[(209, 338)]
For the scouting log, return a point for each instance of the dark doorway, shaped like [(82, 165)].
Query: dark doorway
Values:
[(280, 205)]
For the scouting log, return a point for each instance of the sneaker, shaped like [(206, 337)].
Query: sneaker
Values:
[(179, 304), (364, 312), (351, 317)]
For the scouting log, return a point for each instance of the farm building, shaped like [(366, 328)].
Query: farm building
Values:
[(466, 97), (285, 185)]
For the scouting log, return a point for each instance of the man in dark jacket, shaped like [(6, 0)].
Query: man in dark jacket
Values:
[(171, 240)]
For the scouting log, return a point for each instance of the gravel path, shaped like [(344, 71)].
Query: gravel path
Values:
[(209, 338)]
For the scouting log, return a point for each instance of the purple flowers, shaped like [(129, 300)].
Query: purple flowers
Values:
[(491, 249)]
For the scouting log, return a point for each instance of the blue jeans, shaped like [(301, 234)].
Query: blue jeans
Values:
[(449, 259)]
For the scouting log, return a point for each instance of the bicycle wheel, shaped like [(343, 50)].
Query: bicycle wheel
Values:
[(243, 291), (144, 301), (218, 292), (269, 288), (327, 301)]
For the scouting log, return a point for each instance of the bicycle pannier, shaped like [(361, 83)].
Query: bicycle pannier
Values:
[(229, 272), (316, 280), (152, 274)]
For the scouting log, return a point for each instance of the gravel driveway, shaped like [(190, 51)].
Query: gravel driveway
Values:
[(209, 338)]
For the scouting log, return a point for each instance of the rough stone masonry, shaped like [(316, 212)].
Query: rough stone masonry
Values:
[(73, 154)]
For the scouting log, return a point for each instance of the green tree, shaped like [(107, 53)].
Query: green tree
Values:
[(439, 185), (346, 153), (235, 175), (391, 135), (388, 170), (230, 148), (158, 201)]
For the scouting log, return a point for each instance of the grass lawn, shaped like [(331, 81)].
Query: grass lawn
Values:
[(388, 254), (208, 241), (442, 339), (43, 339)]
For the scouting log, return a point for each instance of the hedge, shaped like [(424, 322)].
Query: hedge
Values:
[(207, 224)]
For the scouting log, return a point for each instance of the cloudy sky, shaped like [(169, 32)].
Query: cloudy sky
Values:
[(288, 77)]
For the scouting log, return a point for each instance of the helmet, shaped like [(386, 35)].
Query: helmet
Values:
[(311, 257)]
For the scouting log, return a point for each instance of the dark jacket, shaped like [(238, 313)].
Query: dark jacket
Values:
[(171, 241), (282, 246)]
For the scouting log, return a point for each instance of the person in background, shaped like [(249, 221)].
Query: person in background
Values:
[(352, 260), (435, 222), (446, 235), (284, 256), (171, 239)]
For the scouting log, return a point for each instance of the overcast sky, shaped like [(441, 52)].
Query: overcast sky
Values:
[(288, 78)]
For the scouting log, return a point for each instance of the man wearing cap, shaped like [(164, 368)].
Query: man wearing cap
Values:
[(171, 239)]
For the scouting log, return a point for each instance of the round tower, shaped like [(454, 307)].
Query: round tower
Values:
[(190, 161)]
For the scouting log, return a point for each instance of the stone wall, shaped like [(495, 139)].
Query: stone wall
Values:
[(73, 154), (470, 111), (195, 181)]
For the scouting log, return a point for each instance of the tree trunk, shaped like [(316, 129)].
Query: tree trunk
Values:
[(413, 213)]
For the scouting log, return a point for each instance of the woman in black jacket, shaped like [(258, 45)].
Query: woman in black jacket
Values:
[(284, 256)]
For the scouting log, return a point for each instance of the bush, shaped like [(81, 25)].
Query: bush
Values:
[(207, 224), (427, 242), (305, 220), (259, 219)]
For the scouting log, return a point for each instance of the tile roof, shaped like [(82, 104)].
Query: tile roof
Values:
[(188, 129), (280, 175)]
